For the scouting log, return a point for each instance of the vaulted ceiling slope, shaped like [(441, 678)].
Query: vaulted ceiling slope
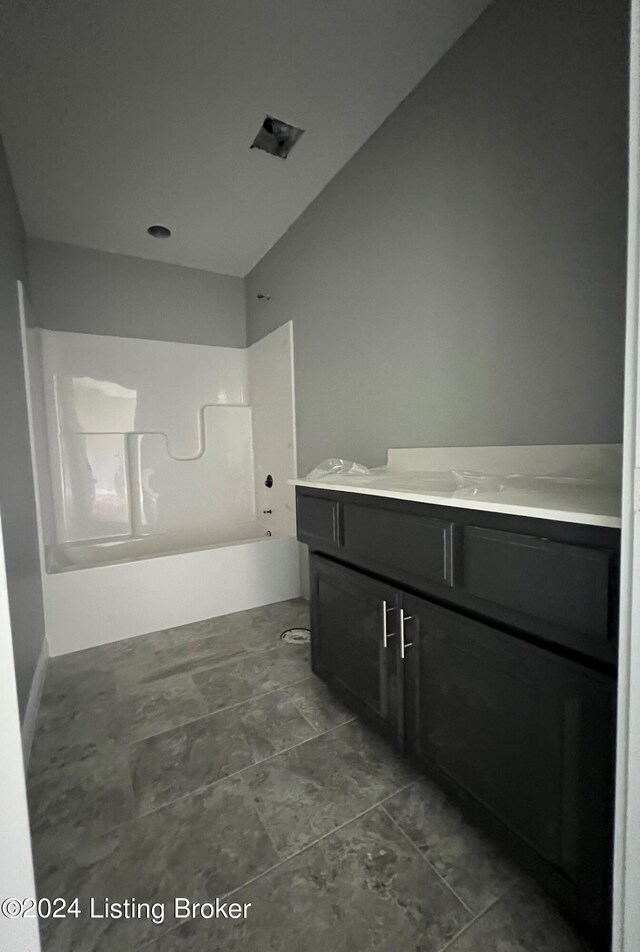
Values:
[(120, 114)]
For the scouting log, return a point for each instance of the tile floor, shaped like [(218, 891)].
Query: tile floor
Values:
[(206, 761)]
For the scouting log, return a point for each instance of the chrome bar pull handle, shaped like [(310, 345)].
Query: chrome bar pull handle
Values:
[(404, 644), (385, 633)]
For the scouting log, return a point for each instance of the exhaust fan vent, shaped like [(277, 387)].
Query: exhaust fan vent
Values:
[(276, 137)]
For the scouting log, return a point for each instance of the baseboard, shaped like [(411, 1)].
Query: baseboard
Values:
[(33, 704)]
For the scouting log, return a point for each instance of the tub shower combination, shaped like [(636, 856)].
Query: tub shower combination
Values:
[(153, 461)]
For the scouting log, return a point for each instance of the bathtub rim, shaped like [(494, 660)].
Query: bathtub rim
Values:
[(170, 553)]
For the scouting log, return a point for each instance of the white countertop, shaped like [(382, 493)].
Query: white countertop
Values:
[(569, 503)]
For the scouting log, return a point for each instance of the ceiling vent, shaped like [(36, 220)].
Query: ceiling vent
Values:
[(276, 137)]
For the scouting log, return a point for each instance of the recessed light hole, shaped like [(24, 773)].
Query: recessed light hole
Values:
[(159, 231)]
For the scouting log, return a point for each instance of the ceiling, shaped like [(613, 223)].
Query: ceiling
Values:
[(120, 114)]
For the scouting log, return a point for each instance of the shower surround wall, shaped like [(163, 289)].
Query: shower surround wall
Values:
[(146, 437), (151, 449)]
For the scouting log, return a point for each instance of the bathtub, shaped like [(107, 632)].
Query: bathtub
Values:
[(102, 591)]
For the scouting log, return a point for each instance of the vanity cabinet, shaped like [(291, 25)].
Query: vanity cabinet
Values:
[(467, 662)]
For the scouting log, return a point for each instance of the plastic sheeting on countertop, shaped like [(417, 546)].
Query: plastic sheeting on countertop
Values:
[(451, 482)]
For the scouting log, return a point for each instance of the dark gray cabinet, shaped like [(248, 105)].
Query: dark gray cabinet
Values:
[(483, 648), (556, 582), (524, 733)]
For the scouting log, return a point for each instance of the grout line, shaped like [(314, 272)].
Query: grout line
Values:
[(303, 849), (242, 770), (299, 710), (308, 846), (123, 743), (197, 790), (317, 731), (429, 863), (477, 918), (221, 710), (262, 823)]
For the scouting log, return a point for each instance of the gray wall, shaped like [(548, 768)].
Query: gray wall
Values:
[(17, 501), (93, 292), (461, 280)]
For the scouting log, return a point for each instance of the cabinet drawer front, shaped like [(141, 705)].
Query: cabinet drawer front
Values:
[(413, 545), (318, 520), (566, 585)]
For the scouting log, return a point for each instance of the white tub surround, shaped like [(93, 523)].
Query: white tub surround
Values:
[(274, 427), (583, 484), (152, 438), (145, 453), (145, 436)]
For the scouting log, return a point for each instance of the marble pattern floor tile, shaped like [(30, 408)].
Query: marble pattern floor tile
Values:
[(362, 888), (68, 684), (130, 861), (71, 804), (80, 672), (176, 652), (310, 790), (273, 723), (204, 645), (261, 628), (222, 842), (319, 705), (73, 732), (522, 921), (149, 709), (198, 847), (257, 674), (190, 757), (465, 859)]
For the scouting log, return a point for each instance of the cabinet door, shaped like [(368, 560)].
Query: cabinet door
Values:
[(521, 732), (353, 640)]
